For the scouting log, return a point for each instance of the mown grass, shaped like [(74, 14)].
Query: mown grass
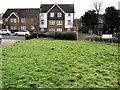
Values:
[(60, 64)]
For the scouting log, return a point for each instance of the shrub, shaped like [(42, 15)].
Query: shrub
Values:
[(65, 36), (33, 35), (83, 29)]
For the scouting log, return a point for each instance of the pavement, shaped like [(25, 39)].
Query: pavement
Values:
[(10, 40)]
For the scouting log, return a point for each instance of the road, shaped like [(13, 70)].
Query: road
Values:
[(9, 40)]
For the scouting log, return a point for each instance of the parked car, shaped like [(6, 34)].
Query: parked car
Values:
[(5, 32), (0, 39), (22, 32)]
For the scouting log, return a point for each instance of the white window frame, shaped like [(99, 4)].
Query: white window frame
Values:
[(69, 22), (6, 27), (11, 20), (6, 20), (59, 22), (14, 27), (59, 14), (42, 29), (52, 29), (52, 22), (32, 27), (14, 20), (11, 28), (52, 14), (68, 29), (23, 27), (23, 20), (59, 29), (42, 22)]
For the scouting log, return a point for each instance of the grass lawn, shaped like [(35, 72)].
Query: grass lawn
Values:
[(60, 64)]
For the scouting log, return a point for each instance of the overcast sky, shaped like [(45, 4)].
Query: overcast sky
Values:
[(81, 6)]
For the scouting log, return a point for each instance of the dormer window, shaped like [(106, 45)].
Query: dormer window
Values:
[(59, 14), (13, 20), (52, 14), (22, 19)]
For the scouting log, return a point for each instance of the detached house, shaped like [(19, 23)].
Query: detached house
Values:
[(20, 19), (56, 17)]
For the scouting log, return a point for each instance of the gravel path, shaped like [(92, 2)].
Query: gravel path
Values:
[(6, 42)]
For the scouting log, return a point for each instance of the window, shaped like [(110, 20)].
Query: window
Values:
[(69, 22), (68, 29), (6, 20), (42, 29), (51, 29), (15, 27), (42, 15), (51, 22), (13, 20), (32, 27), (23, 27), (52, 14), (11, 27), (59, 14), (42, 22), (69, 14), (22, 19), (59, 22), (6, 27), (59, 29)]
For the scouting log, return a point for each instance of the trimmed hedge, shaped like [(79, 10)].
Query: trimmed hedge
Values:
[(33, 35), (65, 36)]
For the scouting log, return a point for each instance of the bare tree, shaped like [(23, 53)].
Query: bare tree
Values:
[(98, 6), (36, 23)]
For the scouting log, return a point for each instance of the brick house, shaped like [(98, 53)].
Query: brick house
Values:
[(20, 19), (56, 17)]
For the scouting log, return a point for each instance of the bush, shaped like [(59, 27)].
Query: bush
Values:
[(65, 36), (33, 35), (83, 29)]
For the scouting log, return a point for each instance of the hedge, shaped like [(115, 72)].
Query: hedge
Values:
[(65, 36)]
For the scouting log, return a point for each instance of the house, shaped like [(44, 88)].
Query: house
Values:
[(20, 19), (1, 20), (56, 17)]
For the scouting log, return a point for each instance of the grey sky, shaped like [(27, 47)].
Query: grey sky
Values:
[(81, 6)]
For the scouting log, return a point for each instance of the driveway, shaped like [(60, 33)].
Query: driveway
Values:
[(9, 40)]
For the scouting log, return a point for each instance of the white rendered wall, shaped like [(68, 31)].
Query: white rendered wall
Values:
[(68, 18), (43, 17), (119, 5)]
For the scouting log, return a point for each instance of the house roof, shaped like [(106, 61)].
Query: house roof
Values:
[(67, 8), (22, 13)]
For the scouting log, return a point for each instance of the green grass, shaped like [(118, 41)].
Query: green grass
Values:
[(60, 64)]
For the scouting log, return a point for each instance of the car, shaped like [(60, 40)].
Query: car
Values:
[(0, 39), (22, 33), (5, 32)]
